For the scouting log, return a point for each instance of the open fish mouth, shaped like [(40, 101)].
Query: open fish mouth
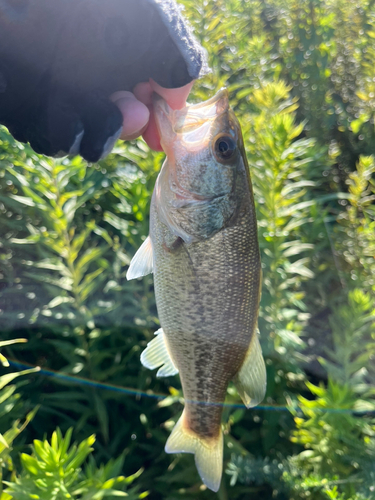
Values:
[(190, 117), (194, 115)]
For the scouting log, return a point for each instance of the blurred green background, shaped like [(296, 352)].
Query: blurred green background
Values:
[(301, 77)]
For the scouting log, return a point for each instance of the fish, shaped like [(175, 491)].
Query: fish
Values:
[(203, 250)]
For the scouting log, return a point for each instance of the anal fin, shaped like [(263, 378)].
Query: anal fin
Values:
[(156, 355), (251, 379), (142, 262)]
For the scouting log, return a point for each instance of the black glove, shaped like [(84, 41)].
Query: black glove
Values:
[(60, 60)]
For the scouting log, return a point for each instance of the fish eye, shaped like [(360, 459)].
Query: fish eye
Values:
[(225, 147)]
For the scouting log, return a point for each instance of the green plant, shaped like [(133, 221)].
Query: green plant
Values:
[(10, 408), (54, 472), (356, 242), (301, 81), (338, 440)]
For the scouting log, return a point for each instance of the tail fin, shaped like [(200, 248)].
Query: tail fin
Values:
[(208, 452)]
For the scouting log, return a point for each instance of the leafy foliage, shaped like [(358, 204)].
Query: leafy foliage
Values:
[(358, 224), (53, 472), (10, 408), (301, 81), (279, 163)]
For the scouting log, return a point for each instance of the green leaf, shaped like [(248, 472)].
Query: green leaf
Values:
[(30, 464), (9, 377), (57, 301), (24, 200), (91, 255)]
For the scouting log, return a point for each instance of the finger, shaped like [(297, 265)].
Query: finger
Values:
[(151, 134), (143, 92), (135, 114), (176, 98)]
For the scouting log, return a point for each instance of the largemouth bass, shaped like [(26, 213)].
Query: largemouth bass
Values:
[(203, 251)]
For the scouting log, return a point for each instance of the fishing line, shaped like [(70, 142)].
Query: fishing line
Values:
[(136, 392)]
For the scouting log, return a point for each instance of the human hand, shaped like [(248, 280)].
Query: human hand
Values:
[(60, 61), (137, 111)]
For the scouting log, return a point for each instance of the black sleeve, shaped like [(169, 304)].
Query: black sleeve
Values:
[(60, 60)]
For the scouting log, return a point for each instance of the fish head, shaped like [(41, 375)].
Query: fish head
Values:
[(202, 145), (204, 148)]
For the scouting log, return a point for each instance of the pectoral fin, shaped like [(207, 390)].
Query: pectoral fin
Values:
[(251, 379), (141, 264), (156, 354)]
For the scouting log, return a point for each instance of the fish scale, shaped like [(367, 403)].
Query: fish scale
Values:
[(209, 291), (207, 274)]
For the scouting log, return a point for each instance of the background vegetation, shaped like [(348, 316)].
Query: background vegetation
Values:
[(301, 76)]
